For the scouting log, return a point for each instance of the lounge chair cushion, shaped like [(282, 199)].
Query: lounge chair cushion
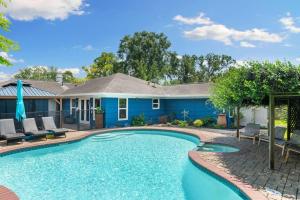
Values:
[(295, 139), (7, 126), (14, 136), (279, 132), (29, 125), (251, 130), (59, 130), (49, 123), (38, 133)]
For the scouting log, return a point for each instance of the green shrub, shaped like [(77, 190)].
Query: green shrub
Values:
[(138, 120), (175, 122), (198, 123), (209, 122), (182, 124)]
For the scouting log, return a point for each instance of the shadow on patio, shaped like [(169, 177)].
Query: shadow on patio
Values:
[(250, 165)]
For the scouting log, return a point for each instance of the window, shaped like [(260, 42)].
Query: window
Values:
[(73, 107), (123, 109), (155, 104)]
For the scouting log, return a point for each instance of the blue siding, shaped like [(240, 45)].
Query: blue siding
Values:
[(135, 108), (197, 108)]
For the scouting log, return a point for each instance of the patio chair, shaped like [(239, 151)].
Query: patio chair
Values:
[(50, 126), (8, 131), (250, 131), (293, 144), (279, 138), (30, 129)]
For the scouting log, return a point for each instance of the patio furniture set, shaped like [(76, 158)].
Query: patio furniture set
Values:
[(252, 131), (8, 131)]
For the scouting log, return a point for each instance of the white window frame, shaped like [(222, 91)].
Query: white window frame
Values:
[(94, 108), (122, 119), (158, 104), (71, 105)]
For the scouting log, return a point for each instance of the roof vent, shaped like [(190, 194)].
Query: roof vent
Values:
[(59, 78)]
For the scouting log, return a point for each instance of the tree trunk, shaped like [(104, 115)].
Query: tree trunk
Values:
[(238, 122)]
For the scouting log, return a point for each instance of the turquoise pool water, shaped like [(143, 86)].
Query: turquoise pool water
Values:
[(125, 165), (210, 147)]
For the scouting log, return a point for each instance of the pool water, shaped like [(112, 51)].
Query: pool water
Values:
[(125, 165), (210, 147)]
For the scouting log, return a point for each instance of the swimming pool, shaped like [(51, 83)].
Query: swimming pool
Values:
[(121, 165)]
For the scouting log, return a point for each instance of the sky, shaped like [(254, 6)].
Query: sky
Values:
[(69, 34)]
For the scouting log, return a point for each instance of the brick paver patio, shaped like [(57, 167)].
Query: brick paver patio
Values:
[(250, 165)]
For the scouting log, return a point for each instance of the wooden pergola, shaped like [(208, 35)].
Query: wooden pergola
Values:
[(292, 100)]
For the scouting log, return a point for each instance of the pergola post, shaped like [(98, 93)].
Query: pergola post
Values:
[(238, 122), (289, 125), (271, 131)]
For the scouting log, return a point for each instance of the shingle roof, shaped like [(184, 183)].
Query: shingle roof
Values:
[(48, 86), (122, 84), (10, 90)]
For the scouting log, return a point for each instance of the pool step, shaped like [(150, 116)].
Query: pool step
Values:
[(109, 137)]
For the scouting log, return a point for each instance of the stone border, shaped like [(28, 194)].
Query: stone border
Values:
[(248, 190)]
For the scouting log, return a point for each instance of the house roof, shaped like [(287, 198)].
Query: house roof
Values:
[(10, 90), (49, 88), (119, 84)]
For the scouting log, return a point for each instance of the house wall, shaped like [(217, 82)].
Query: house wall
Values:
[(197, 108), (135, 108)]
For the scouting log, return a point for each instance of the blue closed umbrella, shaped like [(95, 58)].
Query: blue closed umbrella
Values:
[(20, 109)]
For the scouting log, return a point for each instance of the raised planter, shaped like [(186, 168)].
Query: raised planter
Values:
[(99, 120), (222, 121)]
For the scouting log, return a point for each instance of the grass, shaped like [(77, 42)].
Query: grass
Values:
[(282, 123)]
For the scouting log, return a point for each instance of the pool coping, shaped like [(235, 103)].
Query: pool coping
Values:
[(247, 189)]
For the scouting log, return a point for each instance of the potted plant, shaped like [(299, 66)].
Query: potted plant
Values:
[(99, 117)]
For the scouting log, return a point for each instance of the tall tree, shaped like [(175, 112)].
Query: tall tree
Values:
[(144, 55), (187, 69), (104, 65), (6, 45), (43, 73), (212, 65)]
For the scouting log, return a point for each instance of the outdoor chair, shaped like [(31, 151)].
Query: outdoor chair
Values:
[(251, 131), (50, 126), (293, 144), (30, 129), (279, 138), (8, 131)]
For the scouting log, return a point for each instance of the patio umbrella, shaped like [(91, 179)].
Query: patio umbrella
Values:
[(20, 109)]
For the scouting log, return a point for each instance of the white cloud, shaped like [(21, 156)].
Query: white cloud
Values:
[(298, 59), (226, 35), (89, 48), (10, 58), (74, 70), (247, 44), (46, 9), (4, 75), (200, 19), (288, 23)]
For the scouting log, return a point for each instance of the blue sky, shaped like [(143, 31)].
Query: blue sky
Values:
[(69, 34)]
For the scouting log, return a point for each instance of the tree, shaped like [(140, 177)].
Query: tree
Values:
[(144, 55), (43, 73), (6, 45), (212, 65), (187, 69), (104, 65), (251, 84)]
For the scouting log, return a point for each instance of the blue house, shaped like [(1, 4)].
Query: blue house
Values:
[(122, 97)]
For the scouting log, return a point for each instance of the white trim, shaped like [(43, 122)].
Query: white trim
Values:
[(158, 104), (132, 95), (122, 119)]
